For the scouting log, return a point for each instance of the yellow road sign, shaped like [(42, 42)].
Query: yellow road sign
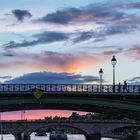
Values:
[(38, 94)]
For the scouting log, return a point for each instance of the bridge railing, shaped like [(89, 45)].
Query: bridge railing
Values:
[(69, 88), (72, 120)]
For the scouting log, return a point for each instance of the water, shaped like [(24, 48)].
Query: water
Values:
[(33, 137), (7, 137), (70, 137)]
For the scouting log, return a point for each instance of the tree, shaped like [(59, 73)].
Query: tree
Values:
[(74, 116)]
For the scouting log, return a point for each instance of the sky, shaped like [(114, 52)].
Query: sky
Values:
[(69, 41)]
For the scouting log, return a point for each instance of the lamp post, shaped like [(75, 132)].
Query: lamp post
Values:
[(113, 61), (1, 127), (100, 74)]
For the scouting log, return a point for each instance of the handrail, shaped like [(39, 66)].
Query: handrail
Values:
[(72, 120), (69, 88)]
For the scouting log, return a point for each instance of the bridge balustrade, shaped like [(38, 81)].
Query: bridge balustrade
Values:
[(69, 88)]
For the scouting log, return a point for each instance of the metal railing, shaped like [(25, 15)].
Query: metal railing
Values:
[(67, 120), (69, 88)]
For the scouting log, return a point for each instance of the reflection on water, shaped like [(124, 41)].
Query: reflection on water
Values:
[(70, 137), (7, 137), (107, 139)]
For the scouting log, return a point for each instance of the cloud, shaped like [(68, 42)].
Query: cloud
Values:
[(8, 53), (95, 12), (134, 81), (83, 36), (119, 29), (134, 51), (112, 52), (21, 14), (66, 62), (60, 62), (5, 77), (49, 37), (13, 44), (41, 38), (104, 32), (115, 18), (134, 5), (53, 78), (51, 61), (66, 16), (76, 37), (101, 13), (32, 27), (109, 18), (62, 17)]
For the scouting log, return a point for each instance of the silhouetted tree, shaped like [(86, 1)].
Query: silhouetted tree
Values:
[(74, 116)]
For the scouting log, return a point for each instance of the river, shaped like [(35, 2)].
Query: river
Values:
[(70, 137)]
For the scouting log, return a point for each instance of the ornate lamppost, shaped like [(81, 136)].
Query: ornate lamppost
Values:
[(113, 61), (101, 75)]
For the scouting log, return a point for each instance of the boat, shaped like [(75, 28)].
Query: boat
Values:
[(58, 135)]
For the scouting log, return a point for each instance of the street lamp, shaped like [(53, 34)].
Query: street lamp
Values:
[(100, 74), (1, 127), (113, 61)]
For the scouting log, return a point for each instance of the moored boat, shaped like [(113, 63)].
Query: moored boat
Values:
[(58, 135)]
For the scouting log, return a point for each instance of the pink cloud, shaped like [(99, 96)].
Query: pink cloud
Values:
[(134, 51), (55, 62)]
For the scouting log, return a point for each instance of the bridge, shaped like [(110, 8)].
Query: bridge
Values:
[(92, 129), (79, 97), (106, 99)]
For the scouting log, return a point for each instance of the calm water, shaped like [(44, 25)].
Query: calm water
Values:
[(70, 137)]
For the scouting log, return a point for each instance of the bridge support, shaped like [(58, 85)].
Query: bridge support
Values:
[(21, 136), (132, 137), (94, 137)]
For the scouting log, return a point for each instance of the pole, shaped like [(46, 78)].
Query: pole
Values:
[(1, 127), (113, 78), (100, 80), (100, 83)]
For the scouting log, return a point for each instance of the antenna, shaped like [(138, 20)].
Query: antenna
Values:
[(23, 115)]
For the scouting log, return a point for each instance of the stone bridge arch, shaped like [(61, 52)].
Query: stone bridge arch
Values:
[(87, 128), (113, 127), (60, 125), (28, 128), (136, 127)]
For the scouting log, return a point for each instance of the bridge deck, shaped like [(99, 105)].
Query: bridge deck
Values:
[(105, 99), (59, 88)]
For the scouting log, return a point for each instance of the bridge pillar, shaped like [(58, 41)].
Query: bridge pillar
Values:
[(21, 137), (132, 137), (94, 137)]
